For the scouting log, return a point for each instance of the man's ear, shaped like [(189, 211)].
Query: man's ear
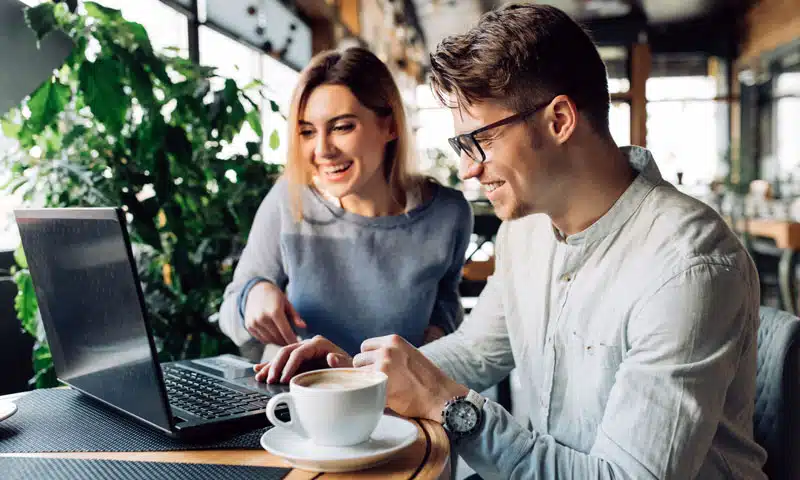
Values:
[(562, 118)]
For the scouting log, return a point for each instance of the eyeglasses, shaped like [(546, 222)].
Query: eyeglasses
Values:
[(467, 143)]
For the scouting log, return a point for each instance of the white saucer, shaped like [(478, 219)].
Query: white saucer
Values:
[(390, 436), (7, 409)]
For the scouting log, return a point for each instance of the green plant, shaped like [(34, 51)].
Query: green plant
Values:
[(121, 125)]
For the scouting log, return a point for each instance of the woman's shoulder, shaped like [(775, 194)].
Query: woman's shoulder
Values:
[(279, 190), (282, 192), (446, 197)]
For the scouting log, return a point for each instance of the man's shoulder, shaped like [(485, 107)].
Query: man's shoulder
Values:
[(686, 222), (675, 232)]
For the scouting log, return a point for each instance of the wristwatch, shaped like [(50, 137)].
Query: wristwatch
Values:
[(462, 416)]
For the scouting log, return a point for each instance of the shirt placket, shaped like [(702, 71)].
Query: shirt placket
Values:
[(565, 268)]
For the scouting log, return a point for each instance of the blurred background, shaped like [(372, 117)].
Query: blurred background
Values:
[(711, 87)]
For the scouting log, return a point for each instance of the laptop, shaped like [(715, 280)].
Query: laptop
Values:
[(94, 315)]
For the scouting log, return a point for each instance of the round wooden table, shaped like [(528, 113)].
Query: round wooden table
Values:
[(427, 458)]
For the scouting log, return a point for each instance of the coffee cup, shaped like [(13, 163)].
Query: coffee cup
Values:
[(332, 407)]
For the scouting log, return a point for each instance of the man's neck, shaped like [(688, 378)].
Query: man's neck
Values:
[(599, 177)]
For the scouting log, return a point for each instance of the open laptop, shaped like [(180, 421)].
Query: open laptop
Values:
[(94, 315)]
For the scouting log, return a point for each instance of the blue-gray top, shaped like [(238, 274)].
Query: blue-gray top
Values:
[(352, 277)]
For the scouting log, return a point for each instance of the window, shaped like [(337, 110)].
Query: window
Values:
[(238, 62), (433, 125), (619, 122), (245, 65), (166, 27), (787, 117), (687, 120), (279, 82), (616, 60), (619, 114)]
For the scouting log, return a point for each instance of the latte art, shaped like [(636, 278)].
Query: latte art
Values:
[(339, 380)]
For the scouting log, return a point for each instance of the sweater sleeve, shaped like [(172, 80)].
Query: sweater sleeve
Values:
[(261, 260), (447, 311)]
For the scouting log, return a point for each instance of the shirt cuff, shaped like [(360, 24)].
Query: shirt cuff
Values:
[(500, 445), (242, 299)]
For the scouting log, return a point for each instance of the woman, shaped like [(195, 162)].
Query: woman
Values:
[(349, 243)]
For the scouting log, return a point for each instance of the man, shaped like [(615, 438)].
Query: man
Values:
[(629, 310)]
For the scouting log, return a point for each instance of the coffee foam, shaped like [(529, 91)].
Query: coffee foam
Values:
[(338, 380)]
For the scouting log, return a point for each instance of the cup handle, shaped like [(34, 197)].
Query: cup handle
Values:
[(293, 423)]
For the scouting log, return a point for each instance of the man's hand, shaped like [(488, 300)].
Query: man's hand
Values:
[(291, 359), (268, 313), (417, 387)]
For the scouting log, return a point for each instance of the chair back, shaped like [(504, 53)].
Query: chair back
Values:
[(778, 392)]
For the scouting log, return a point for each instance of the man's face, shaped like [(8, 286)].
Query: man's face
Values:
[(519, 173)]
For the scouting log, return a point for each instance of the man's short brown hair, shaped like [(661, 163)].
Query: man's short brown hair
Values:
[(521, 55)]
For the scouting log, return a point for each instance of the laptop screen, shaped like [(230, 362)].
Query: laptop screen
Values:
[(89, 298)]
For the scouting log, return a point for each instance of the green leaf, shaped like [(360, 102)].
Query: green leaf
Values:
[(45, 104), (253, 84), (102, 13), (254, 119), (77, 132), (274, 106), (19, 258), (100, 82), (178, 144), (231, 91), (45, 376), (18, 183), (41, 19), (141, 37), (274, 140), (10, 129), (25, 302), (72, 5), (141, 84)]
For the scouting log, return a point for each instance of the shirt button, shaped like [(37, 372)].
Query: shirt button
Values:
[(566, 277)]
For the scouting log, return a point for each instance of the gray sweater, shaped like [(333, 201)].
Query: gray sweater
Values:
[(352, 277)]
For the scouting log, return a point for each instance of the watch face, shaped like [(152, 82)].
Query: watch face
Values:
[(462, 417)]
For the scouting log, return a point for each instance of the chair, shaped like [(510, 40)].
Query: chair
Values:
[(777, 272), (15, 345), (776, 418)]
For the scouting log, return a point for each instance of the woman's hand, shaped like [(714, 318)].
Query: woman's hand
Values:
[(311, 354), (268, 314)]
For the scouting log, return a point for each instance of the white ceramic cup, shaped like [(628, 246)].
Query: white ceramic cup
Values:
[(333, 407)]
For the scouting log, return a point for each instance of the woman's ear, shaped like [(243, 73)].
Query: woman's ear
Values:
[(389, 125)]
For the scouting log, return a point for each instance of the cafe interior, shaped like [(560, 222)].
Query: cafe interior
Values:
[(710, 87)]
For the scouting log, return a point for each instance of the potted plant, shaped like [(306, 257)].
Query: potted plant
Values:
[(122, 125)]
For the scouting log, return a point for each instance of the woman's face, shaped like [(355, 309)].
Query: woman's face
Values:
[(344, 142)]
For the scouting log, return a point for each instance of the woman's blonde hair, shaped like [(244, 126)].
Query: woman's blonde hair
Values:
[(367, 77)]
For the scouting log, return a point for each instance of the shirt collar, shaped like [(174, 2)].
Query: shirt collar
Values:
[(648, 177)]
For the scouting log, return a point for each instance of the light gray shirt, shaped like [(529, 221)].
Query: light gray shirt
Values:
[(635, 343)]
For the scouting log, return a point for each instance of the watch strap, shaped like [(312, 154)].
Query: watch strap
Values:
[(476, 399)]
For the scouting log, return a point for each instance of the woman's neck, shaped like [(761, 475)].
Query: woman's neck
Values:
[(375, 200)]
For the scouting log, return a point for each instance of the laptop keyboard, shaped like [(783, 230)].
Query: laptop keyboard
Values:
[(207, 397)]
